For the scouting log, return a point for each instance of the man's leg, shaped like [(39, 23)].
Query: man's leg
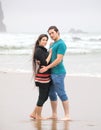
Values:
[(54, 109), (66, 109), (60, 89), (53, 99)]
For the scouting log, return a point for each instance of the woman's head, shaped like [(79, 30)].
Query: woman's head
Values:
[(42, 40)]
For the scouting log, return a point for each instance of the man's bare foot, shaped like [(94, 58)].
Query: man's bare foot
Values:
[(52, 117), (66, 118)]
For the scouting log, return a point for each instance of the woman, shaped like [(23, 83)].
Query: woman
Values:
[(41, 57)]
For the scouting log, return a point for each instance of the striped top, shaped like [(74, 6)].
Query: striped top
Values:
[(42, 78)]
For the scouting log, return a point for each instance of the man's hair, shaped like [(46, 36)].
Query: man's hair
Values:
[(53, 27)]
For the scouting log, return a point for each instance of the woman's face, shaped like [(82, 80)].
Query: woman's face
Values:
[(43, 41)]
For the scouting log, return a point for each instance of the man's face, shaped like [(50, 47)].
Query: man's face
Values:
[(53, 34)]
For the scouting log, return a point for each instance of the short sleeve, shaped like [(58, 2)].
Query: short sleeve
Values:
[(61, 49)]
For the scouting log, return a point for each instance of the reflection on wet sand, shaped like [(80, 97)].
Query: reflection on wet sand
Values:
[(17, 97), (50, 125)]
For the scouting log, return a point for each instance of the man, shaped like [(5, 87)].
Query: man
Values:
[(58, 73)]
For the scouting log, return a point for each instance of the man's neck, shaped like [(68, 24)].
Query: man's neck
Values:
[(57, 39)]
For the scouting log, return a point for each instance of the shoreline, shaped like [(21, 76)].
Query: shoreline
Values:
[(75, 65)]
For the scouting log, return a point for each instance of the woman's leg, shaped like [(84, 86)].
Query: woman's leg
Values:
[(43, 96), (33, 114)]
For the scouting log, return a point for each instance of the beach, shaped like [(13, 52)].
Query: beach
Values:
[(18, 94), (18, 97)]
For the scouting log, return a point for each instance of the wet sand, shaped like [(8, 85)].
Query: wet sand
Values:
[(18, 97)]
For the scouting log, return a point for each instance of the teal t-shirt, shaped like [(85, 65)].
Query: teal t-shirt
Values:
[(58, 47)]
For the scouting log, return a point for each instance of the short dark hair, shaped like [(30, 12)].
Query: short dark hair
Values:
[(53, 27)]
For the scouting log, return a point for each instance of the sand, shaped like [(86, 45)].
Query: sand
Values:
[(18, 97)]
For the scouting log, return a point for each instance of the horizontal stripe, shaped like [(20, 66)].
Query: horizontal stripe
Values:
[(42, 75), (42, 81), (42, 78)]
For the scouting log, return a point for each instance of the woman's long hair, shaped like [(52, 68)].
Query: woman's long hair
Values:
[(34, 64)]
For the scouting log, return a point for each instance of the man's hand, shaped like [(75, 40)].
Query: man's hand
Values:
[(43, 69)]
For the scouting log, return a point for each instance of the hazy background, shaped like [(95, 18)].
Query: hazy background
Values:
[(38, 15)]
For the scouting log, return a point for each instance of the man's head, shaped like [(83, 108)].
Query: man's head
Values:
[(54, 33)]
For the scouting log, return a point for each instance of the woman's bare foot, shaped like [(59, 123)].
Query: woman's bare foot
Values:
[(40, 118), (33, 116)]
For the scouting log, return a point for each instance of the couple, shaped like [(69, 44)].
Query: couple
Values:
[(50, 68)]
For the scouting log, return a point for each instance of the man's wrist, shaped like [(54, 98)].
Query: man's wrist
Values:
[(48, 67)]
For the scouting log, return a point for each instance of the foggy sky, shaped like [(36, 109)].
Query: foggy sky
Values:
[(38, 15)]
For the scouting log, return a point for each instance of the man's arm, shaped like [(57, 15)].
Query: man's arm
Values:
[(49, 56), (53, 64)]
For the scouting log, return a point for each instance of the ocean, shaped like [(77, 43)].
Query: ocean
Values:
[(83, 55)]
